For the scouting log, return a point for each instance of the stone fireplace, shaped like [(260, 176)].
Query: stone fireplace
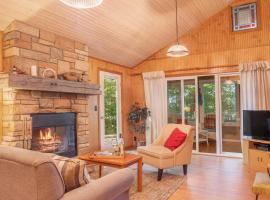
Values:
[(22, 97), (54, 133), (21, 106)]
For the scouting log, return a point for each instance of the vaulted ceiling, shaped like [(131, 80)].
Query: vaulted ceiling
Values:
[(124, 32)]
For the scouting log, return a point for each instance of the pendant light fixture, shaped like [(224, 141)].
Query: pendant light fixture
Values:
[(177, 50), (82, 4)]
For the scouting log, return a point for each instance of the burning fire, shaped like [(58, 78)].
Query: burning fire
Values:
[(46, 135), (48, 141)]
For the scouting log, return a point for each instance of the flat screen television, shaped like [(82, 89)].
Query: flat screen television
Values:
[(256, 123)]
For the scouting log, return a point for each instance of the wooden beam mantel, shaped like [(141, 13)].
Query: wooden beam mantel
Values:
[(26, 82)]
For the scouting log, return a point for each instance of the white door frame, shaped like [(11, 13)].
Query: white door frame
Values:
[(220, 114), (117, 77)]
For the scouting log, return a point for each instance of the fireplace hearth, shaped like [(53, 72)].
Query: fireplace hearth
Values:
[(54, 133)]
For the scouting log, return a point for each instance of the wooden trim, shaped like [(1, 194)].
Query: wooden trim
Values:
[(26, 82), (1, 52), (109, 71), (197, 70), (205, 72), (1, 116)]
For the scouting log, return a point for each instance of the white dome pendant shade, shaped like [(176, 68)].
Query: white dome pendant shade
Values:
[(82, 4), (177, 50)]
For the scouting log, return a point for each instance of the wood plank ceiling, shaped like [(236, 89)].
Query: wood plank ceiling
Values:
[(124, 32)]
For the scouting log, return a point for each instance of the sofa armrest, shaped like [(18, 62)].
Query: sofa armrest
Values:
[(108, 187)]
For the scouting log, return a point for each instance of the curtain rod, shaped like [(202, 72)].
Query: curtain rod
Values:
[(190, 69)]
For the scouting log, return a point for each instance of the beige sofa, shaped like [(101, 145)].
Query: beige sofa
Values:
[(29, 175), (161, 157)]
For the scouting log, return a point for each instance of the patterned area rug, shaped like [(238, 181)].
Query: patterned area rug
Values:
[(152, 189)]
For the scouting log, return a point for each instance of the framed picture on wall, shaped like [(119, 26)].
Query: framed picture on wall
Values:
[(244, 17)]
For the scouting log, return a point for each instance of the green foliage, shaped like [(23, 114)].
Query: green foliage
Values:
[(209, 98), (110, 106), (228, 100), (137, 119), (189, 97), (174, 98)]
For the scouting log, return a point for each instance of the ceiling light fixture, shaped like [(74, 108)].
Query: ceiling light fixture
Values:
[(82, 4), (177, 50)]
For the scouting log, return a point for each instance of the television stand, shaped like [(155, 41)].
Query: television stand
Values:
[(256, 159)]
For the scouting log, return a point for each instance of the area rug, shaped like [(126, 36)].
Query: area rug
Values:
[(152, 189)]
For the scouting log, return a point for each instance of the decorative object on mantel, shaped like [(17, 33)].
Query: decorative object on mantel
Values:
[(49, 73), (137, 122), (34, 70), (82, 4), (72, 76), (177, 50), (82, 77), (16, 70)]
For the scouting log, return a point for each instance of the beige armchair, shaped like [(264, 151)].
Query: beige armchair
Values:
[(161, 157), (32, 175)]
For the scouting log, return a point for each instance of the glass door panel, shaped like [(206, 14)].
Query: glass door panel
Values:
[(217, 100), (230, 114), (110, 109), (174, 102), (207, 114), (190, 105)]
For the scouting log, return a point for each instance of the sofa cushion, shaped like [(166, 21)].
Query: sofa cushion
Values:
[(156, 151), (176, 139), (73, 171)]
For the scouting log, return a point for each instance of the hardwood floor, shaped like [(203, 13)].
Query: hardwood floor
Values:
[(217, 178), (227, 147)]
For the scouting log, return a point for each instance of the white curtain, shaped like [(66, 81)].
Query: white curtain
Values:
[(156, 101), (255, 85)]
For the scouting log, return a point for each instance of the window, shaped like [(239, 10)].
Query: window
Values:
[(174, 101), (209, 98), (229, 101), (244, 17)]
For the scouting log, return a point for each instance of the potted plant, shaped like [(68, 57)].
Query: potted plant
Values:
[(137, 123)]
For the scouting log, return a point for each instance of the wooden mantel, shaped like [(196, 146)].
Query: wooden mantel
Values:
[(26, 82)]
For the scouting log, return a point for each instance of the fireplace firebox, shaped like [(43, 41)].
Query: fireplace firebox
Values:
[(54, 133)]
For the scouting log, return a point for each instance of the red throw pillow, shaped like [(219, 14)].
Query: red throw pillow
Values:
[(176, 139)]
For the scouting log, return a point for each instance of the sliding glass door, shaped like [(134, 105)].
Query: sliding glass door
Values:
[(211, 104), (189, 105), (230, 114), (207, 114), (182, 102), (174, 102)]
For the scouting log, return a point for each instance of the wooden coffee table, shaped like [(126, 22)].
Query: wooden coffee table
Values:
[(127, 161)]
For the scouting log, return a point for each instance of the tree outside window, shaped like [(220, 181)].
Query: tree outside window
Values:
[(209, 98), (228, 100), (110, 106)]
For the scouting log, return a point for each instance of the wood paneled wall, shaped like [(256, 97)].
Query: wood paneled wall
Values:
[(213, 47), (96, 66), (1, 51), (1, 69)]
